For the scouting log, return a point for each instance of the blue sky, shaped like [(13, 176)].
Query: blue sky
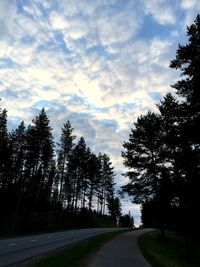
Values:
[(99, 64)]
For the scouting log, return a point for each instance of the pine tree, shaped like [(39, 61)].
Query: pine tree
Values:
[(142, 158), (187, 60), (17, 143), (94, 171), (4, 151), (65, 149), (39, 156), (77, 167), (106, 181)]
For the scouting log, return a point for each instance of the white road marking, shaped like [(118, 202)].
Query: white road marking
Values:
[(33, 240), (49, 236), (12, 244)]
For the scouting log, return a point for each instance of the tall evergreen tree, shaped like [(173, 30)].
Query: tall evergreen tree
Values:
[(4, 152), (94, 171), (106, 182), (65, 149), (187, 60), (142, 158), (77, 167), (39, 156), (17, 143)]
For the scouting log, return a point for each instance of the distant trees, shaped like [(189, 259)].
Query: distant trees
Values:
[(126, 221), (42, 187), (162, 154)]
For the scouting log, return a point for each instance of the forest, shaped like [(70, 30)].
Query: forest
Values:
[(46, 186), (162, 154)]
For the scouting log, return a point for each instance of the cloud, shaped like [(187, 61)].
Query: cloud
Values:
[(161, 11), (88, 62), (191, 8), (7, 10)]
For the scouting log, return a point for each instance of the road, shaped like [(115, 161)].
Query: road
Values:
[(121, 251), (16, 250)]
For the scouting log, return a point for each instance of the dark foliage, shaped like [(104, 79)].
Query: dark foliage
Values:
[(163, 151), (41, 191)]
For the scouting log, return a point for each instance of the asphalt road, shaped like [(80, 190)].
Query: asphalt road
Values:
[(121, 251), (16, 250)]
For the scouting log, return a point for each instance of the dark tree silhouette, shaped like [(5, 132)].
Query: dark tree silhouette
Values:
[(39, 157), (114, 208), (142, 158), (106, 182), (4, 152), (64, 151), (163, 158)]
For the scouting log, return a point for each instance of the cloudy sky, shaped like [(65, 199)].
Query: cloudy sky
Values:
[(99, 64)]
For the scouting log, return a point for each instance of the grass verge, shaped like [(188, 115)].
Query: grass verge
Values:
[(76, 255), (167, 253)]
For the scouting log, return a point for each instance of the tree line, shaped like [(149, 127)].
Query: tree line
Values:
[(46, 185), (162, 154)]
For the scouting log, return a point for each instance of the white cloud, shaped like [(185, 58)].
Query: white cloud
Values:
[(192, 8), (161, 11), (190, 4), (58, 21), (7, 11)]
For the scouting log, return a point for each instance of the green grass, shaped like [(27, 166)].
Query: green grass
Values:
[(167, 253), (76, 255)]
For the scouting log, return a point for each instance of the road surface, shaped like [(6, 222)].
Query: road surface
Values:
[(16, 250), (121, 251)]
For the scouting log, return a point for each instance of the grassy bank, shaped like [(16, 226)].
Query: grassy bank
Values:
[(76, 255), (168, 253)]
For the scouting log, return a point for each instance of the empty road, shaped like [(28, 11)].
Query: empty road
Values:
[(16, 250), (121, 251)]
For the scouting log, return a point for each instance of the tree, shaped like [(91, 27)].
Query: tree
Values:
[(17, 146), (187, 60), (126, 220), (38, 160), (93, 171), (106, 181), (142, 158), (114, 208), (77, 168), (145, 156), (65, 149), (4, 152)]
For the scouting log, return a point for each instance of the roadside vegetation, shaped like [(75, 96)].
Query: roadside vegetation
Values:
[(162, 155), (47, 185), (76, 255), (170, 252)]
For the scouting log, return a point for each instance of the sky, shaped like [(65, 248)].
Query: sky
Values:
[(99, 64)]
